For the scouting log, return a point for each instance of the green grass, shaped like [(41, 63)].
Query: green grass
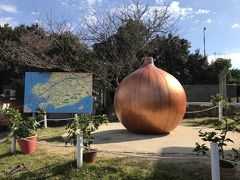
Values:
[(51, 134), (43, 165), (205, 121), (46, 166)]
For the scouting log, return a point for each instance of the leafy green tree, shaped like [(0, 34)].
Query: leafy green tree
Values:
[(34, 47), (197, 68), (120, 51), (171, 54), (234, 76), (216, 67)]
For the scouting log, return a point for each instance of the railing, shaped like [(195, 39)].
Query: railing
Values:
[(45, 119)]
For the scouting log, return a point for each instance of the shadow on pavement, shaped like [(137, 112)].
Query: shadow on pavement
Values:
[(121, 135), (178, 151)]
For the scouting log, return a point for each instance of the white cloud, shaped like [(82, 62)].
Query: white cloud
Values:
[(177, 11), (64, 2), (184, 12), (209, 21), (79, 3), (131, 8), (235, 58), (91, 19), (90, 3), (6, 20), (8, 8), (159, 1), (70, 26), (35, 13), (236, 25), (174, 8), (202, 11), (37, 21)]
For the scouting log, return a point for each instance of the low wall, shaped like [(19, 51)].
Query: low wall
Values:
[(203, 93)]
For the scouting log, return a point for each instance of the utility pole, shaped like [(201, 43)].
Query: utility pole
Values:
[(204, 42)]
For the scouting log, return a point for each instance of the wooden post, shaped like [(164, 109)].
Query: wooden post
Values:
[(79, 150), (13, 145), (220, 110), (45, 121), (215, 169)]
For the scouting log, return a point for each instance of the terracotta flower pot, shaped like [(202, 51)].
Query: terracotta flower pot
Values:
[(5, 122), (90, 156), (228, 173), (227, 170), (27, 145)]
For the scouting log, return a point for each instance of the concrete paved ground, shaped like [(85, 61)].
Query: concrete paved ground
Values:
[(114, 137)]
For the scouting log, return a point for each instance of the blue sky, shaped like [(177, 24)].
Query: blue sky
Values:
[(220, 17)]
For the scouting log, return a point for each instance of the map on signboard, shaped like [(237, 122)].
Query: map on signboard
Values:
[(58, 92)]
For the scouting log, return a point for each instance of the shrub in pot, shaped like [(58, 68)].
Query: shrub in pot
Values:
[(85, 124), (23, 130), (219, 136)]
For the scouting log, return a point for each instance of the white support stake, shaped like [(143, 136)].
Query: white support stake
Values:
[(220, 110), (45, 121), (13, 145), (215, 161), (79, 150), (75, 117)]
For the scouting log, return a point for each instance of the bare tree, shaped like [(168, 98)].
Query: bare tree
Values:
[(47, 49), (119, 37)]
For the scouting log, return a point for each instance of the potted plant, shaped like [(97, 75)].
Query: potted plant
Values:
[(85, 124), (23, 130), (219, 136)]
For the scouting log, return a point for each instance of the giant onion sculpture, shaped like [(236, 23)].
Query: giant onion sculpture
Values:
[(150, 100)]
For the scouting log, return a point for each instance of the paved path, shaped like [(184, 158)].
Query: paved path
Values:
[(114, 137)]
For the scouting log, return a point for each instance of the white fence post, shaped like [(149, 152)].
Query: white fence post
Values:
[(75, 117), (13, 145), (215, 169), (45, 121), (220, 110), (79, 150)]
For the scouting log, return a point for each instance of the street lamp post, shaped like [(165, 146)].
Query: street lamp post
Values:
[(204, 42)]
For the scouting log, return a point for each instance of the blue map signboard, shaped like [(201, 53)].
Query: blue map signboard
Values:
[(58, 92)]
